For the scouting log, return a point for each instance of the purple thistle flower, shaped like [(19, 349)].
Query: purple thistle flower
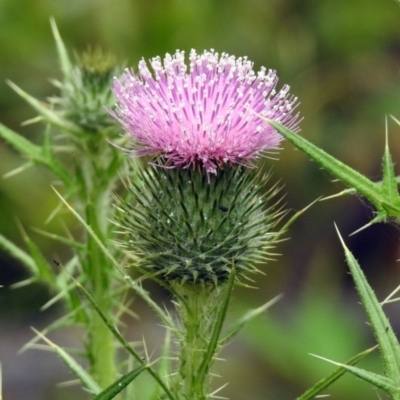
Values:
[(206, 115)]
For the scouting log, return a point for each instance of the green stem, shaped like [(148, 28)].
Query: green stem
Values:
[(197, 311), (101, 345)]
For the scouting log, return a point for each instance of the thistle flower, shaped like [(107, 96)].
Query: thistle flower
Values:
[(205, 115), (187, 226)]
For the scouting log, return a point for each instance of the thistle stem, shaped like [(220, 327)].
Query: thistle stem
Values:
[(198, 308), (101, 342), (101, 345)]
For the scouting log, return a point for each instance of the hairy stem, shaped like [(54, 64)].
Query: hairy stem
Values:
[(198, 308)]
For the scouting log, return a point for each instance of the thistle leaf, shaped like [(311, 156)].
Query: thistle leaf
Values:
[(78, 371), (24, 146), (389, 184), (134, 285), (44, 271), (379, 381), (374, 192), (216, 330), (124, 343), (39, 155), (46, 112), (63, 57), (61, 239), (388, 344), (119, 385), (19, 255), (326, 382)]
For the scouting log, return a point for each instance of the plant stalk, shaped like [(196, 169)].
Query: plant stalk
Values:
[(198, 307)]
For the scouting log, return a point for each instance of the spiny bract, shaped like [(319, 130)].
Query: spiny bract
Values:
[(187, 229)]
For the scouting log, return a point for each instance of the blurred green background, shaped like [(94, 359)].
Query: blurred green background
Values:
[(342, 60)]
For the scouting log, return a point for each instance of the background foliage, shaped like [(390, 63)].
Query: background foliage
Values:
[(342, 59)]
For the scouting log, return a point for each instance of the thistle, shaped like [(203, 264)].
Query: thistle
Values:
[(199, 211), (198, 219), (85, 90)]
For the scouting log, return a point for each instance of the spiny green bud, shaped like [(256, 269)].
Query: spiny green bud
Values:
[(86, 91), (189, 227)]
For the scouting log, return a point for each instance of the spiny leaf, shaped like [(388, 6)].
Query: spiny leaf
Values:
[(33, 152), (388, 344), (326, 382), (119, 385), (371, 190), (44, 271), (61, 239), (63, 57), (24, 146), (46, 112), (18, 170), (79, 372), (348, 175), (53, 163), (123, 342), (138, 289), (19, 254), (380, 381), (216, 331), (389, 184)]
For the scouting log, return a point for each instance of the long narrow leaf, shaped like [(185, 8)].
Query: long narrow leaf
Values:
[(51, 161), (389, 184), (119, 385), (121, 339), (63, 57), (163, 368), (33, 153), (388, 344), (19, 254), (372, 191), (78, 371), (44, 271), (138, 289), (49, 115), (379, 381), (219, 321), (61, 239), (326, 382), (24, 146)]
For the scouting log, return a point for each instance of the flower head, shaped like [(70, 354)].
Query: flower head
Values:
[(207, 114), (85, 90)]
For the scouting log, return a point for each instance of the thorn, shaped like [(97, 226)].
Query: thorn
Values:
[(395, 120), (31, 121), (16, 171), (341, 240), (388, 298), (23, 283), (386, 135), (375, 220), (342, 193)]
